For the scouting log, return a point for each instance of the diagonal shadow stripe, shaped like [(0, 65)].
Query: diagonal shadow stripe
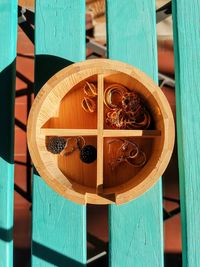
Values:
[(25, 91), (23, 78), (97, 242), (6, 234), (7, 96), (23, 193), (20, 124), (53, 257)]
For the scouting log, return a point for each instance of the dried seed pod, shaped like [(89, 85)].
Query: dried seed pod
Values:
[(56, 144), (88, 154)]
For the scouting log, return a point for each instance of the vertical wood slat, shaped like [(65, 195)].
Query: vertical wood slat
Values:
[(8, 36), (59, 226), (136, 228), (187, 67)]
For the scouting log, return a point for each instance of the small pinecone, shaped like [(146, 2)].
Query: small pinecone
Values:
[(56, 144), (88, 154)]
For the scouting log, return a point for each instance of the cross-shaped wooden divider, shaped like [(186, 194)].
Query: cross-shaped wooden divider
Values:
[(100, 132)]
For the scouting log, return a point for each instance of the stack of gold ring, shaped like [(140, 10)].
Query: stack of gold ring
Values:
[(89, 100), (128, 152), (127, 110)]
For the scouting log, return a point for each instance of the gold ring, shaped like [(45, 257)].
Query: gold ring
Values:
[(72, 144), (110, 91), (138, 161), (90, 89), (129, 148), (134, 123), (116, 118), (79, 139), (88, 104)]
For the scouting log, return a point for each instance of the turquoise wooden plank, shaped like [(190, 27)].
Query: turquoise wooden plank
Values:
[(136, 228), (8, 36), (187, 62), (59, 226)]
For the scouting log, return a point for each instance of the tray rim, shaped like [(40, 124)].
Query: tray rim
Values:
[(95, 66)]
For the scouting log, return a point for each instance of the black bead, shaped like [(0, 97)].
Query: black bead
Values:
[(88, 154), (56, 144)]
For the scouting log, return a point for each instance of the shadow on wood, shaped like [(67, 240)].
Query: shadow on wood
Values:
[(53, 257), (6, 235), (7, 96), (47, 66)]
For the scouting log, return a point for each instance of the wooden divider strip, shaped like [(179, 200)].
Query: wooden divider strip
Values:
[(68, 132), (131, 133), (100, 123)]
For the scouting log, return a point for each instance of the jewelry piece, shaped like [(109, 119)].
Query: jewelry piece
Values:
[(139, 161), (73, 143), (88, 153), (116, 118), (80, 142), (128, 112), (131, 101), (128, 152), (130, 149), (66, 146), (139, 122), (110, 91), (90, 89), (88, 104)]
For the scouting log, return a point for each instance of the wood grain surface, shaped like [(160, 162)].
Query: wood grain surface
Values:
[(187, 66), (136, 228), (8, 33), (59, 226)]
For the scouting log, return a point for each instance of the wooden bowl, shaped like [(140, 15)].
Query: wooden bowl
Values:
[(57, 111)]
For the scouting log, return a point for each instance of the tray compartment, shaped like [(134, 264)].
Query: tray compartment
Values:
[(148, 99), (117, 173), (76, 170), (70, 113)]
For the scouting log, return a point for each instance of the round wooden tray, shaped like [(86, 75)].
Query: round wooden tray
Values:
[(57, 111)]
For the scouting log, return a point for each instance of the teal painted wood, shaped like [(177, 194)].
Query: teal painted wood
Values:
[(186, 16), (59, 226), (136, 228), (8, 35)]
